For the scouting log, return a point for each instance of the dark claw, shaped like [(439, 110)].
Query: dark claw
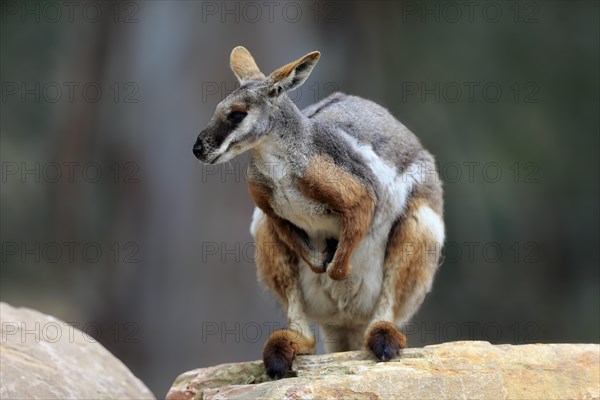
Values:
[(277, 366), (385, 351), (385, 341), (278, 356)]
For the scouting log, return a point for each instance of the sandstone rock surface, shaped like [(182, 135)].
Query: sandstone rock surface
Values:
[(455, 370), (42, 357)]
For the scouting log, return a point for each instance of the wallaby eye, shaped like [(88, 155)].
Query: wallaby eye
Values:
[(237, 116)]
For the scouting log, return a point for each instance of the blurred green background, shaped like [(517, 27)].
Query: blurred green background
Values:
[(108, 221)]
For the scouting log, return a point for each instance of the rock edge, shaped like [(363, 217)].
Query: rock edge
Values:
[(468, 370)]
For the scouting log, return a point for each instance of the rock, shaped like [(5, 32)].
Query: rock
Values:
[(43, 357), (455, 370)]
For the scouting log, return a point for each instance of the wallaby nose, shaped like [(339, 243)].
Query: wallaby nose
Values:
[(198, 148)]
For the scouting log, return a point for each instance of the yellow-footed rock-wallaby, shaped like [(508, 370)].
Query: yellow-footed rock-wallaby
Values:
[(348, 221)]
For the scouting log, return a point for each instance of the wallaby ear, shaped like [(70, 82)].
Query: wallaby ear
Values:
[(243, 65), (294, 74)]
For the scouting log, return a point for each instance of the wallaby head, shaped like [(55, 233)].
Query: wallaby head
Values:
[(253, 110)]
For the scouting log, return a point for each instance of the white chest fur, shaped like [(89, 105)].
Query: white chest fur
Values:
[(290, 204)]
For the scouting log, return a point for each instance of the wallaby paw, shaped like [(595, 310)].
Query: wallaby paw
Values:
[(319, 269), (338, 272), (278, 354), (385, 340)]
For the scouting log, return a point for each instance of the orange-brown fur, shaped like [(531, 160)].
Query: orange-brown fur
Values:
[(327, 183), (411, 255), (239, 107), (243, 64), (299, 343), (385, 335), (285, 71), (262, 196), (277, 264), (278, 269), (281, 349)]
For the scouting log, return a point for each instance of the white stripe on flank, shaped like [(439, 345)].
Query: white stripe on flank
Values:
[(430, 220)]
